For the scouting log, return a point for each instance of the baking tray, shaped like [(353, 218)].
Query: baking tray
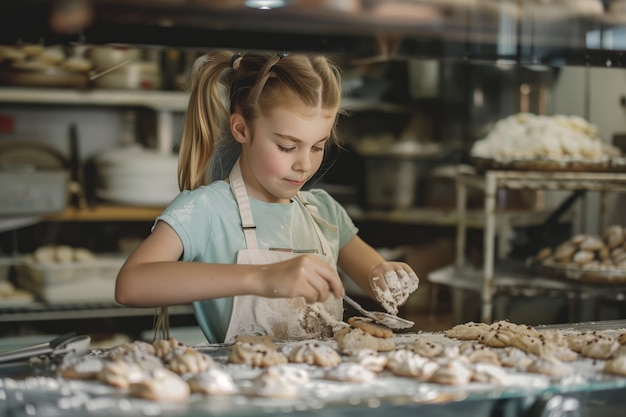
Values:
[(48, 395), (587, 276), (60, 283)]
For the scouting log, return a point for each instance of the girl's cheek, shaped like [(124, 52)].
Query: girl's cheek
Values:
[(271, 164)]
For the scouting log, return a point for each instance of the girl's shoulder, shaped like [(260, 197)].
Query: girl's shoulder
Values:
[(216, 193)]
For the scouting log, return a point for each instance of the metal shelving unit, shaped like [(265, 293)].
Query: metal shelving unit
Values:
[(38, 311), (490, 182)]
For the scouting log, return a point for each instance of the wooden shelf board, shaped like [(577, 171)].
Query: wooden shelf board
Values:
[(107, 213)]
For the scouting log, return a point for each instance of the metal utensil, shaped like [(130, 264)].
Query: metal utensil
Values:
[(67, 344), (389, 320)]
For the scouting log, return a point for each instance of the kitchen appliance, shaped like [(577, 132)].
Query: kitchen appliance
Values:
[(33, 179)]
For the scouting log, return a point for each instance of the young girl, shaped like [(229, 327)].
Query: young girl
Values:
[(254, 254)]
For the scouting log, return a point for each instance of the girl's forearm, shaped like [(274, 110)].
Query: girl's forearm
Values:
[(157, 284)]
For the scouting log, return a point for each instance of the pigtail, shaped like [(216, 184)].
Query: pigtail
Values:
[(205, 119)]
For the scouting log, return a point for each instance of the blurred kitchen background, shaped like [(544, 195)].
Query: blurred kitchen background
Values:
[(88, 154)]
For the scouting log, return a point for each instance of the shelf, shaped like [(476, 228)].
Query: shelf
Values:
[(514, 279), (490, 182), (157, 100), (42, 311), (524, 32), (475, 219), (102, 213), (417, 216)]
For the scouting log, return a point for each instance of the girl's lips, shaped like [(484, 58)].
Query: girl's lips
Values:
[(296, 183)]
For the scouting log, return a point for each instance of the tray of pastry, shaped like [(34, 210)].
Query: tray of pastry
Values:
[(594, 274), (526, 141), (586, 258)]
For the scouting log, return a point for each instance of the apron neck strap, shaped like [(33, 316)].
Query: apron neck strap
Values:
[(241, 195), (238, 188), (314, 218)]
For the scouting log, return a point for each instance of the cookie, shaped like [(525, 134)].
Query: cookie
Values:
[(369, 359), (564, 252), (370, 326), (497, 338), (425, 348), (582, 257), (126, 348), (522, 329), (467, 331), (266, 340), (212, 382), (616, 366), (350, 372), (385, 344), (614, 236), (161, 385), (602, 346), (529, 344), (550, 366), (488, 373), (622, 339), (476, 353), (553, 336), (591, 243), (166, 348), (256, 355), (80, 367), (314, 353), (351, 340), (271, 383), (543, 254), (576, 341), (578, 239), (512, 357), (145, 361), (121, 374), (453, 372), (190, 361), (403, 362)]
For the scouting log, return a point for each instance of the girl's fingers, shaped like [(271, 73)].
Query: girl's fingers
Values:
[(383, 295), (405, 283), (394, 285)]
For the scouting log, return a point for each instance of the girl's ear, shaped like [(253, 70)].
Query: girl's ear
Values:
[(239, 128)]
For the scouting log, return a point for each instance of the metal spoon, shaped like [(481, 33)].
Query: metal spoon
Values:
[(389, 320)]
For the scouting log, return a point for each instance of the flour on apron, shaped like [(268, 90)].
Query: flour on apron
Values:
[(283, 318)]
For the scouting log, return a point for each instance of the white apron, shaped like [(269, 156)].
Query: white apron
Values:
[(283, 318)]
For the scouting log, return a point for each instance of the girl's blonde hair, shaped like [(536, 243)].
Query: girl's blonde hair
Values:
[(252, 84)]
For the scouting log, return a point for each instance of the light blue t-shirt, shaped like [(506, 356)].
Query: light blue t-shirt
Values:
[(208, 223)]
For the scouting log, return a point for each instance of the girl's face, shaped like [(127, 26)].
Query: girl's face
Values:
[(283, 150)]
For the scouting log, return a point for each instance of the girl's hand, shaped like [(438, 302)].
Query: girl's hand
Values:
[(305, 276), (392, 283)]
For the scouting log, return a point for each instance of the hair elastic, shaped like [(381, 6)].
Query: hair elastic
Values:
[(235, 61), (281, 55)]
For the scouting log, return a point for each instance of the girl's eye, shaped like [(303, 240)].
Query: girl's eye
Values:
[(318, 149), (287, 150)]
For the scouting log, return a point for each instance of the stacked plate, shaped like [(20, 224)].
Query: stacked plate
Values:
[(137, 176)]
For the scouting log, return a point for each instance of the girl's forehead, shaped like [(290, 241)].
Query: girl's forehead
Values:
[(300, 122)]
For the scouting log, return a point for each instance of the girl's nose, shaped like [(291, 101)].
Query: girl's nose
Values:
[(303, 162)]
